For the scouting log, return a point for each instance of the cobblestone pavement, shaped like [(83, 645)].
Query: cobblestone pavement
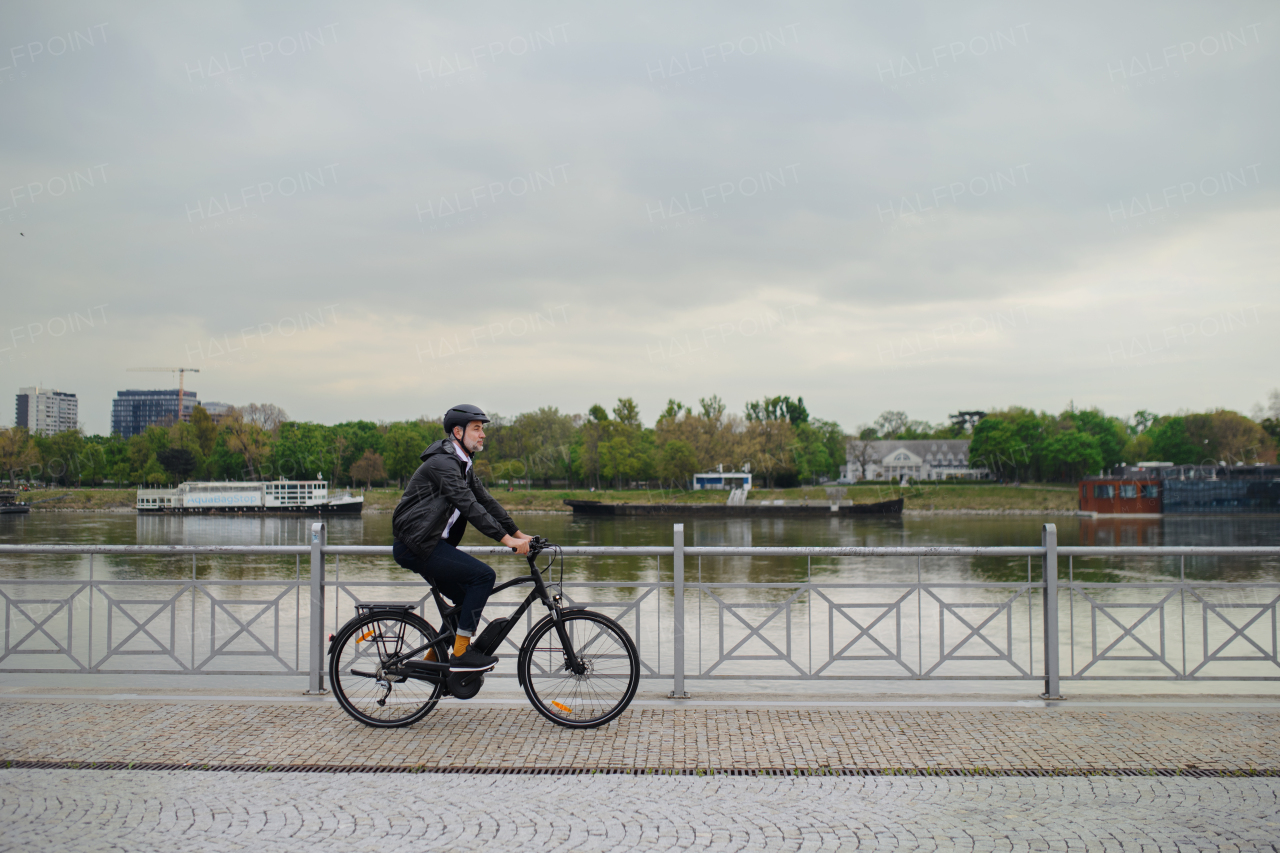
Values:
[(478, 736), (176, 810)]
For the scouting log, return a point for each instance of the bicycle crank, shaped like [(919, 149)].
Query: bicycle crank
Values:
[(464, 685)]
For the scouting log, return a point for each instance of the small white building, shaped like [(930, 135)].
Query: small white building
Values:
[(924, 459), (722, 479)]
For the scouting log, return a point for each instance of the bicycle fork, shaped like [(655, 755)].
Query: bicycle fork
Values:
[(572, 662)]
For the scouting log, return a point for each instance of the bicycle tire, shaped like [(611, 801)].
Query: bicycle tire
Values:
[(597, 696), (353, 669)]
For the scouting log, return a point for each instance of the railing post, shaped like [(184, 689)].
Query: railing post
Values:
[(315, 683), (1049, 539), (677, 576)]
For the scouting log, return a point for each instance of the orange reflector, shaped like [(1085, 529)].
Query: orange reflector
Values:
[(564, 708), (366, 636)]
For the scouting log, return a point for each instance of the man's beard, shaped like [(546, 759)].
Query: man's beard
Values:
[(475, 447)]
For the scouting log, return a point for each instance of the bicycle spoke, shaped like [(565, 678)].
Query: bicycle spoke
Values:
[(360, 679), (605, 686)]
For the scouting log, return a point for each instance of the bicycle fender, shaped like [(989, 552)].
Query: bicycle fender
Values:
[(526, 647)]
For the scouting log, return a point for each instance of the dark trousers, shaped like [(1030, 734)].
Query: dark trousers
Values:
[(460, 577)]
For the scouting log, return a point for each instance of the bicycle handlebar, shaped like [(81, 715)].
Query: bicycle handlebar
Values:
[(537, 545)]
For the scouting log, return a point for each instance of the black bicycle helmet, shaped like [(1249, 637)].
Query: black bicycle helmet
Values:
[(461, 415)]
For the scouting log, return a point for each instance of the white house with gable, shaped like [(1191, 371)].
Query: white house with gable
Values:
[(925, 459)]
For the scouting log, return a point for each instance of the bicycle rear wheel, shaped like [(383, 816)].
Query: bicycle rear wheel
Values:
[(361, 683), (595, 690)]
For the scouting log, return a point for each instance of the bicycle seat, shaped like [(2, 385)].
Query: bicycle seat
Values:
[(378, 606)]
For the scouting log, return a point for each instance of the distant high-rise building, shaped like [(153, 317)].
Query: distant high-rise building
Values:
[(216, 410), (46, 411), (133, 411)]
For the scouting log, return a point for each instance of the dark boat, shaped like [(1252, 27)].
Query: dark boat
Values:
[(597, 508), (10, 505)]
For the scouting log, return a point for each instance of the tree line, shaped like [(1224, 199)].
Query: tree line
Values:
[(603, 448), (1020, 444), (775, 436)]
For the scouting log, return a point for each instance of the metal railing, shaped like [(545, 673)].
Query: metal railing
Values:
[(892, 629)]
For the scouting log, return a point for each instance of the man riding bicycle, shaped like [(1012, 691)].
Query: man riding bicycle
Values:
[(443, 495)]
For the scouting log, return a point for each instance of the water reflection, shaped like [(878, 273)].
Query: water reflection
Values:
[(375, 529), (239, 530)]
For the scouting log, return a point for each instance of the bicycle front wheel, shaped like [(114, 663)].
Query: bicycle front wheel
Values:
[(366, 687), (587, 685)]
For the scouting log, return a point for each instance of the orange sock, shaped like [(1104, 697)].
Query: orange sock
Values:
[(460, 645), (430, 655)]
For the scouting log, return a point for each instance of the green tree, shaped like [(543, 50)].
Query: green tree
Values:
[(356, 437), (1072, 454), (996, 447), (677, 463), (369, 467), (1139, 448), (546, 438), (620, 458), (178, 461), (300, 450), (819, 450), (404, 445), (713, 408), (153, 473), (17, 453), (778, 409), (626, 412), (60, 454), (812, 461), (92, 463), (769, 446), (111, 457), (1110, 433), (206, 431), (1142, 419), (1170, 442), (673, 410), (890, 424), (252, 443), (598, 414)]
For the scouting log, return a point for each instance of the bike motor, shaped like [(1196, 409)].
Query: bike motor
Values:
[(464, 685)]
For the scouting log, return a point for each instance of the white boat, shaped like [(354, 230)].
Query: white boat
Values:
[(294, 497)]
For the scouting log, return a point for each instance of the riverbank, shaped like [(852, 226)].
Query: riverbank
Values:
[(924, 498), (986, 499)]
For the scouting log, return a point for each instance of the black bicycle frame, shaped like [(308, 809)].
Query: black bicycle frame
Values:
[(449, 619)]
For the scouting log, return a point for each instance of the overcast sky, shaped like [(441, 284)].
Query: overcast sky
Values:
[(380, 210)]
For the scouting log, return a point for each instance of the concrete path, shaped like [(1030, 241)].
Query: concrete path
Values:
[(89, 810), (1009, 737), (504, 806)]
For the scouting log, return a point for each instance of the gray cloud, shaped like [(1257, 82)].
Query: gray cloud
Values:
[(959, 207)]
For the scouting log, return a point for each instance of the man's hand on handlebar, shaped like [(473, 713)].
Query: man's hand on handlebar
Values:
[(520, 546)]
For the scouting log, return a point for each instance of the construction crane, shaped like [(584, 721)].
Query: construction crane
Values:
[(182, 414)]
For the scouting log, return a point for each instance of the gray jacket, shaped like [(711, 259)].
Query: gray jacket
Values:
[(442, 484)]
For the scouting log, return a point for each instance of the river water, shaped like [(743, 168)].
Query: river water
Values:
[(375, 529)]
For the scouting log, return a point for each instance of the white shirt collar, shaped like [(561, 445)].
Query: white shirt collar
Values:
[(462, 454)]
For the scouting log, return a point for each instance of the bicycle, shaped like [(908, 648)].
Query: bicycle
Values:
[(579, 668)]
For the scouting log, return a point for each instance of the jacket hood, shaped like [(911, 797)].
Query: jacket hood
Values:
[(437, 447)]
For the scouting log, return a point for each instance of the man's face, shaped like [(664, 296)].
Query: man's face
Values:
[(473, 437)]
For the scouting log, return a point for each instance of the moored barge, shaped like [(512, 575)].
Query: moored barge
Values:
[(287, 497), (791, 509)]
